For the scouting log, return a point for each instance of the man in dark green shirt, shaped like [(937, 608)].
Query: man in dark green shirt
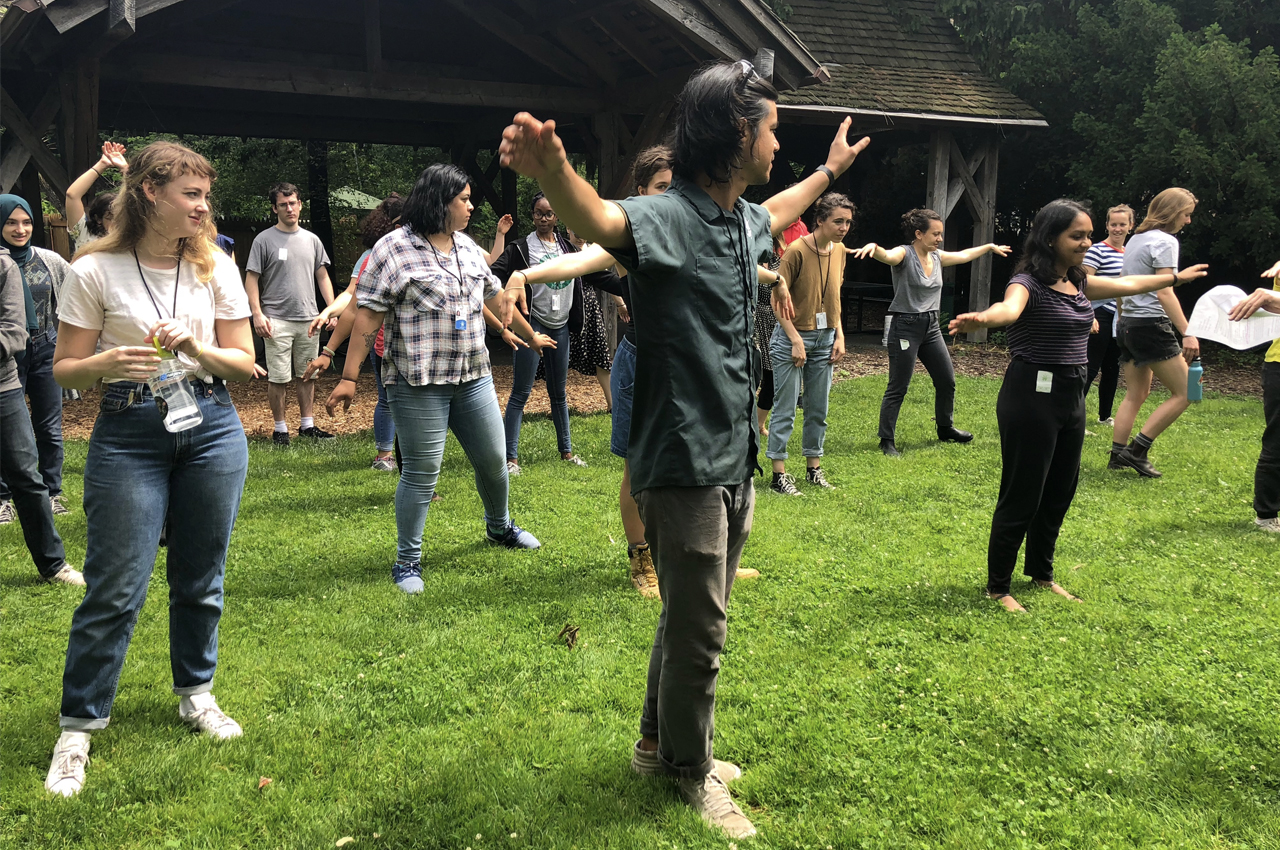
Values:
[(691, 255)]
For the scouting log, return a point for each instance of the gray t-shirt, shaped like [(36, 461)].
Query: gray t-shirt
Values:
[(1145, 253), (551, 301), (286, 264), (913, 290)]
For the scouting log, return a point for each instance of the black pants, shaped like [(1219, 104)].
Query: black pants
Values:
[(924, 341), (1104, 357), (764, 399), (1041, 436), (1266, 479)]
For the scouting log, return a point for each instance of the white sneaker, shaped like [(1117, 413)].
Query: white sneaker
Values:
[(7, 513), (201, 712), (710, 796), (575, 460), (67, 575), (1110, 420), (513, 469), (66, 773), (1272, 524)]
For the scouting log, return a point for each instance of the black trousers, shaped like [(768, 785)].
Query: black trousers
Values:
[(924, 341), (764, 399), (1104, 357), (1266, 478), (1041, 437)]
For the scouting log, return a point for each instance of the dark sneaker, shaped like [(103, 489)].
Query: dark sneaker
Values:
[(314, 433), (1113, 463), (784, 484), (889, 449), (954, 435), (514, 537), (815, 475), (280, 438), (58, 505), (408, 577), (1128, 459)]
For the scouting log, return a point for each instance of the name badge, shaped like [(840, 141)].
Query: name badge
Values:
[(555, 301), (1044, 382), (821, 320), (459, 323), (904, 344), (283, 254)]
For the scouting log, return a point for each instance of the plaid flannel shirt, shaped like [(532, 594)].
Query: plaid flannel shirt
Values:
[(420, 292)]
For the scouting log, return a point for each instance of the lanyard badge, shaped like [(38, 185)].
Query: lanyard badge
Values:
[(460, 321)]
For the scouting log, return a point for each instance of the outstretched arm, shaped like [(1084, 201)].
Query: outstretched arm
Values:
[(955, 258), (892, 257), (997, 315), (532, 148), (1136, 284), (788, 205), (112, 157), (499, 239), (590, 259)]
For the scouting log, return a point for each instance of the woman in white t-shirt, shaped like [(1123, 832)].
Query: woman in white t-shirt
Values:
[(156, 281)]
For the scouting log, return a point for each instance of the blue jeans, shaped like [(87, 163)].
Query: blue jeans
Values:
[(622, 384), (786, 391), (30, 498), (384, 427), (136, 475), (525, 366), (35, 370), (424, 416)]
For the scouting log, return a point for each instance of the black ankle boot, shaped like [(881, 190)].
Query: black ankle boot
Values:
[(953, 435), (889, 448)]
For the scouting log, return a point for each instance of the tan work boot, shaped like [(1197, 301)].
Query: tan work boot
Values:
[(747, 572), (643, 575), (710, 796), (646, 763)]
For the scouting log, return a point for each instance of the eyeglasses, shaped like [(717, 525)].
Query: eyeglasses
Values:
[(547, 214), (289, 204)]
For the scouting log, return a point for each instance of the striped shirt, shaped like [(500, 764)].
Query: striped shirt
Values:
[(1109, 262), (1053, 329), (424, 292)]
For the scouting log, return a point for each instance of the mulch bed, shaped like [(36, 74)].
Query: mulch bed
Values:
[(1226, 372)]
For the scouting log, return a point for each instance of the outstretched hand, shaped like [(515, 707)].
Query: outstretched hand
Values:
[(965, 323), (113, 155), (863, 252), (1191, 273), (505, 223), (1274, 271), (1002, 250), (531, 147), (842, 154)]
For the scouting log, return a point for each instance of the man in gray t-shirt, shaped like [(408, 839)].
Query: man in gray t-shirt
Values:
[(286, 264)]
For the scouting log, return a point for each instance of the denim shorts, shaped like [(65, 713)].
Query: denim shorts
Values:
[(622, 379), (1146, 340)]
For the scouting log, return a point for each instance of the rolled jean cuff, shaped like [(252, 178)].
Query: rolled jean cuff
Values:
[(196, 689), (83, 724), (812, 452), (384, 447), (695, 772)]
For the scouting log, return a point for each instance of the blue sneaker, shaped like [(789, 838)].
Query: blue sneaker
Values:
[(514, 537), (408, 577)]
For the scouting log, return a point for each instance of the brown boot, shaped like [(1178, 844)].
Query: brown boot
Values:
[(642, 573)]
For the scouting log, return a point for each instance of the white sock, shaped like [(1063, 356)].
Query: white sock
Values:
[(196, 702), (282, 427), (308, 422)]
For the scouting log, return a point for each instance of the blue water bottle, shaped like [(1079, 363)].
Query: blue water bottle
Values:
[(1195, 381)]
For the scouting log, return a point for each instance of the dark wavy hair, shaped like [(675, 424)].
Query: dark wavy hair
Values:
[(707, 138), (282, 188), (829, 203), (96, 212), (1039, 256), (427, 209), (381, 220), (917, 220), (648, 163)]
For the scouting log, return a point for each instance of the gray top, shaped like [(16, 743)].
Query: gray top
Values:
[(1145, 253), (286, 264), (551, 301), (913, 290), (13, 322)]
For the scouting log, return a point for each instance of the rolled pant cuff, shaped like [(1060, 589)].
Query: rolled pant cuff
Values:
[(83, 724), (685, 772), (192, 691)]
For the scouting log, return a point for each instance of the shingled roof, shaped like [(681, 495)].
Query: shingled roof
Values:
[(899, 59)]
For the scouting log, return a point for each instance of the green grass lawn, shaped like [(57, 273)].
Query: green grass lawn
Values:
[(871, 694)]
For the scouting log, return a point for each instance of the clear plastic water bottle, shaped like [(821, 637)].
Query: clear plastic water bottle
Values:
[(173, 393), (1195, 381)]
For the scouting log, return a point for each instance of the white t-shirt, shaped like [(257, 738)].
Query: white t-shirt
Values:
[(79, 233), (103, 292)]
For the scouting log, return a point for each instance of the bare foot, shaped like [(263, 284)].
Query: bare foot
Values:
[(1009, 603), (1058, 589)]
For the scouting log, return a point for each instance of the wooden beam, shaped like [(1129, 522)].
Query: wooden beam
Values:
[(13, 118), (318, 189), (580, 44), (972, 194), (277, 77), (537, 48), (984, 231), (29, 190), (697, 26), (939, 157), (16, 158), (86, 147), (651, 129), (372, 36), (625, 37), (605, 129)]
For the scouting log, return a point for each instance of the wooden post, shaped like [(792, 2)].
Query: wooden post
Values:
[(939, 160), (86, 147), (318, 189), (984, 230), (510, 201), (372, 36), (29, 189)]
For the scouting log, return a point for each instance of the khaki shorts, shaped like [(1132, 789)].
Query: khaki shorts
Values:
[(289, 350)]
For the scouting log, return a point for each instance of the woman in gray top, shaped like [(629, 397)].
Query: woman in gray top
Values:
[(912, 330)]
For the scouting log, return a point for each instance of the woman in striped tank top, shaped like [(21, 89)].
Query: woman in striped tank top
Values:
[(1040, 410)]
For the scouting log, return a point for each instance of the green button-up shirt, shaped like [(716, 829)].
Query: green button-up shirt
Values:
[(692, 275)]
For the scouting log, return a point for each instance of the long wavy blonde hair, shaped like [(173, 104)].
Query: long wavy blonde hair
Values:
[(159, 163), (1167, 209)]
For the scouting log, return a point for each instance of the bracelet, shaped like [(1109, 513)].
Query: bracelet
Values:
[(831, 175), (777, 279), (345, 378), (1175, 279), (200, 353), (328, 352)]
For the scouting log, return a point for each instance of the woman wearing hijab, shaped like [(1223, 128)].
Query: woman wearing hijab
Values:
[(42, 275)]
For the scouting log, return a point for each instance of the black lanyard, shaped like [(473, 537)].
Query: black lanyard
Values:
[(457, 257), (822, 290), (173, 311), (741, 251)]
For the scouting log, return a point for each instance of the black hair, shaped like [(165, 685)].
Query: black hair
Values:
[(382, 220), (282, 188), (427, 209), (1039, 256), (917, 221), (829, 203), (707, 138), (533, 205), (96, 211)]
